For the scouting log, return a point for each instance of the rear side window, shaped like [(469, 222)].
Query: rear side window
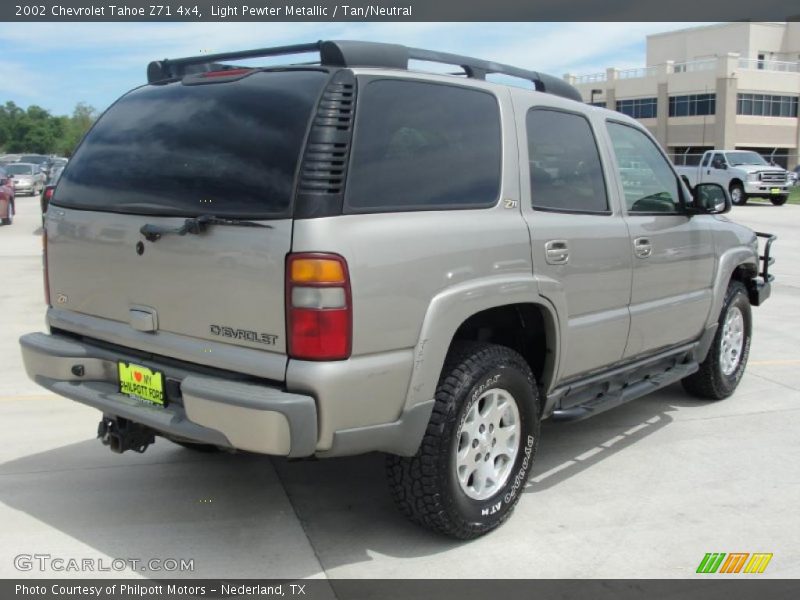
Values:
[(229, 149), (424, 146), (565, 169)]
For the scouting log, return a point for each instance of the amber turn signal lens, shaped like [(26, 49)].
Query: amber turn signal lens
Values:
[(317, 270)]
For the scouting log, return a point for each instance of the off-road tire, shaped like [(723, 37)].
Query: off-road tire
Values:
[(710, 382), (779, 200), (742, 196), (425, 486)]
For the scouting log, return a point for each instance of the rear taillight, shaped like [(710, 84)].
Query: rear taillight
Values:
[(44, 267), (46, 197), (319, 313)]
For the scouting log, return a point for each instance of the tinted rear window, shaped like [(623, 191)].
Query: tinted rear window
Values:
[(424, 146), (228, 149)]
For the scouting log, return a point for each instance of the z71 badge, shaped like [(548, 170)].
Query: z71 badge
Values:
[(244, 334)]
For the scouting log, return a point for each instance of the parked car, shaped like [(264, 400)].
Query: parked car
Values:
[(743, 173), (794, 176), (28, 178), (7, 207), (399, 274), (44, 162)]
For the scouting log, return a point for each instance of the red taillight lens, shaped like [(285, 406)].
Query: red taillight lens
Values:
[(44, 267), (318, 307), (48, 193)]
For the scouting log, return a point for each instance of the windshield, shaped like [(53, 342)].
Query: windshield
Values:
[(229, 148), (745, 158), (20, 169)]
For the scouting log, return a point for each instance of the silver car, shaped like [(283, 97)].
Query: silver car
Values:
[(28, 178)]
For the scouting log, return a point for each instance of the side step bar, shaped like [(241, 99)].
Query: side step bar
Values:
[(616, 397)]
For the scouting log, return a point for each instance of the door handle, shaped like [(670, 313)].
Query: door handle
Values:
[(556, 252), (642, 247)]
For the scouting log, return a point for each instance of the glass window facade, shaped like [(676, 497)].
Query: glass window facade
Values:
[(766, 105), (639, 108), (692, 105)]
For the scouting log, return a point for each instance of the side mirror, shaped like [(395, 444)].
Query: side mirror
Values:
[(710, 199)]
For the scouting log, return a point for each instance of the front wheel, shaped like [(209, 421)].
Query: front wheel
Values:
[(779, 200), (723, 367), (479, 447), (738, 197)]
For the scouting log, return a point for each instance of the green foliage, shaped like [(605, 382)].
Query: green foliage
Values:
[(36, 130)]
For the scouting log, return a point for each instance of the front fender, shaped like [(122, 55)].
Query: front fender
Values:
[(727, 264)]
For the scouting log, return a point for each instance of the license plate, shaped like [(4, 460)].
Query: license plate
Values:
[(141, 383), (775, 191)]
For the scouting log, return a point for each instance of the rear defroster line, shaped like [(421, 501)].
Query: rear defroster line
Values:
[(195, 226)]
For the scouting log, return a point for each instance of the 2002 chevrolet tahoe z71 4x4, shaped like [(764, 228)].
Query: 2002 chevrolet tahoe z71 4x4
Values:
[(332, 259)]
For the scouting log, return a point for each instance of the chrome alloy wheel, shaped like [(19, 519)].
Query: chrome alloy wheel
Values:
[(488, 443), (732, 341)]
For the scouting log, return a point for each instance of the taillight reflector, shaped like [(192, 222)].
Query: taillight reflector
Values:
[(318, 307)]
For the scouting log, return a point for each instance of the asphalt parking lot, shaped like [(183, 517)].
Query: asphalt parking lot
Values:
[(642, 491)]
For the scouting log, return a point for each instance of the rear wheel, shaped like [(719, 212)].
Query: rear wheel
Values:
[(479, 447), (722, 369), (779, 200), (738, 197)]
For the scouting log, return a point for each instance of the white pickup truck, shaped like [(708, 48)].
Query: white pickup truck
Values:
[(743, 173)]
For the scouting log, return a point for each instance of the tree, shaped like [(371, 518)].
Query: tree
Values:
[(35, 130)]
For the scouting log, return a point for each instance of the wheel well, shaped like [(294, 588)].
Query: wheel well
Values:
[(521, 327), (735, 181), (744, 273)]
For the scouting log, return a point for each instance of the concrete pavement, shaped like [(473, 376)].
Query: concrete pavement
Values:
[(642, 491)]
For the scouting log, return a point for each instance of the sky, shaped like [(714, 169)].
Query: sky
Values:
[(56, 65)]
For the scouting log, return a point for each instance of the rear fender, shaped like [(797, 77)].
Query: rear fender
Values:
[(449, 309)]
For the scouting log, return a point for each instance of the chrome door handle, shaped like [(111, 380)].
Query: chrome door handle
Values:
[(556, 252), (642, 247)]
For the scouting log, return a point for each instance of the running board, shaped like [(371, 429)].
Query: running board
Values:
[(616, 397)]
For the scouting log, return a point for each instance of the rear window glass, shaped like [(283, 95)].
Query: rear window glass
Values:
[(227, 149), (424, 146)]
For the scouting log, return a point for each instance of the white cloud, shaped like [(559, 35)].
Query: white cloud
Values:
[(20, 81)]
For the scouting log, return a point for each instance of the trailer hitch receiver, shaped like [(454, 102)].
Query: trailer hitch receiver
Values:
[(121, 434)]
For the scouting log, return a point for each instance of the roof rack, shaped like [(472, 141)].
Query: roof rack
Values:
[(344, 53)]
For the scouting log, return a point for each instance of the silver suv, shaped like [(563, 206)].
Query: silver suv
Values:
[(336, 258)]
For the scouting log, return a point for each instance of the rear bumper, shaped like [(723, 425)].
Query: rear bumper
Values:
[(210, 409)]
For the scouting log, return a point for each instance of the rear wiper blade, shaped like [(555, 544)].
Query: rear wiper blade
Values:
[(195, 226)]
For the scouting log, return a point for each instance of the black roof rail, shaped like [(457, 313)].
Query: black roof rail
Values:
[(345, 53)]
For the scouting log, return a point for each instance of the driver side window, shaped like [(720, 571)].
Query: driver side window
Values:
[(649, 183)]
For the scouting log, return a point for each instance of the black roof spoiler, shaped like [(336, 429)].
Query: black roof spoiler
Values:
[(344, 53)]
